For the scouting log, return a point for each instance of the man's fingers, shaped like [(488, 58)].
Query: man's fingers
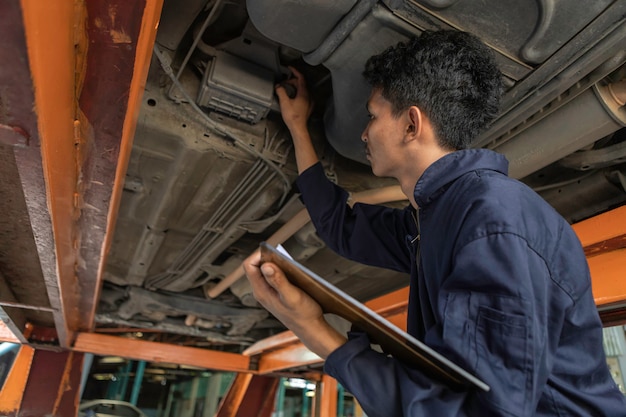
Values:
[(299, 78), (257, 280), (296, 74), (269, 284), (281, 93), (289, 294), (289, 89), (268, 281), (274, 276), (254, 259), (251, 267)]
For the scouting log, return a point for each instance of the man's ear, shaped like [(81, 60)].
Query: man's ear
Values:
[(415, 123)]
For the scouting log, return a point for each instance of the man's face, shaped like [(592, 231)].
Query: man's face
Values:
[(383, 136)]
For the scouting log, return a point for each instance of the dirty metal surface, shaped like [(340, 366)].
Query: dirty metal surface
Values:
[(19, 260), (26, 245), (112, 29)]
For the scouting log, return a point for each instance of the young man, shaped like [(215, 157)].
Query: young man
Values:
[(499, 281)]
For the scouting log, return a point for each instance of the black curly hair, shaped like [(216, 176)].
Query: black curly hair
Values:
[(450, 75)]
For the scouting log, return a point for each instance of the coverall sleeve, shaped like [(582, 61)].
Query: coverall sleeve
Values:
[(490, 321), (364, 233), (386, 387)]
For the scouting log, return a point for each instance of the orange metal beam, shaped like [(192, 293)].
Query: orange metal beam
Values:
[(249, 396), (50, 35), (15, 384), (291, 356), (391, 302), (233, 399), (392, 306), (160, 352), (326, 397), (273, 342), (145, 43), (601, 230), (608, 273), (604, 240), (87, 104)]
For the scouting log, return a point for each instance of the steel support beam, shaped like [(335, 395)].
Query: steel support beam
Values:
[(392, 306), (42, 383), (51, 41), (608, 273), (326, 397), (27, 245), (291, 356), (604, 239), (280, 352), (271, 343), (87, 102), (249, 396), (160, 352), (114, 133), (15, 384)]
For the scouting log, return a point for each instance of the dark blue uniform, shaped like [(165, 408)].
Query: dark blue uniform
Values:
[(503, 290)]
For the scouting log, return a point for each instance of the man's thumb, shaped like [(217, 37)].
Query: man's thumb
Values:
[(267, 270)]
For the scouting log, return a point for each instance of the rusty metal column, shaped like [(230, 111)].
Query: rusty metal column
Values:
[(249, 396), (42, 383)]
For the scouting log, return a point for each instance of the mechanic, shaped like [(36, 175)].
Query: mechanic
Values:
[(499, 281)]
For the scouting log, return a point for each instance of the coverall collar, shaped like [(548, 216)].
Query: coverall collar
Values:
[(453, 165)]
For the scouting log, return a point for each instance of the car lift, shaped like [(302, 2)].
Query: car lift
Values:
[(84, 65)]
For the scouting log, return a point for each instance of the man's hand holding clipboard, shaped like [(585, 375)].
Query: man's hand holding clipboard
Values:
[(292, 306), (299, 298)]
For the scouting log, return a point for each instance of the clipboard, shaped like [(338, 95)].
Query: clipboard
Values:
[(391, 338)]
